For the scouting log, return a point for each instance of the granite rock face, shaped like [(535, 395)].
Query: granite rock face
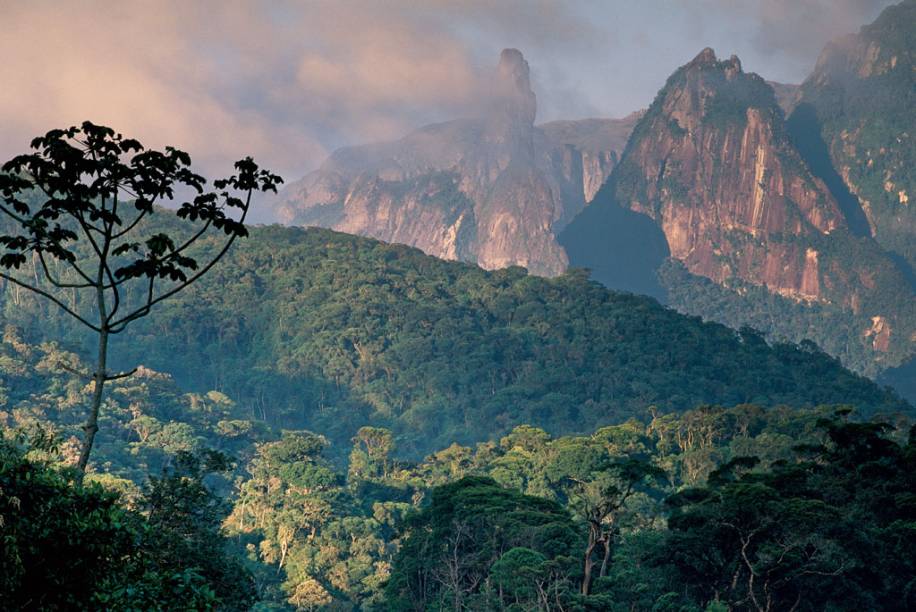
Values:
[(714, 165), (493, 190), (813, 211)]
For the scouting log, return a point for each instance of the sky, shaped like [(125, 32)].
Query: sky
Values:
[(290, 81)]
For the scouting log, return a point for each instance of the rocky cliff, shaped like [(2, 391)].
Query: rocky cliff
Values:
[(713, 165), (493, 190), (589, 148), (710, 199)]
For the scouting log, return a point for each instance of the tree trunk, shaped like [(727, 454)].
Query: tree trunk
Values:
[(607, 555), (588, 563), (92, 422)]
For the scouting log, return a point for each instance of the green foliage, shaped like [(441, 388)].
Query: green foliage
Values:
[(505, 525), (835, 329), (182, 529), (825, 531), (57, 542), (66, 546), (296, 513), (147, 420), (474, 531), (342, 332), (825, 527), (339, 542)]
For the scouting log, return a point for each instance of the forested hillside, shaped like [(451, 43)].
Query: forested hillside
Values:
[(663, 363), (316, 329), (302, 435), (146, 420)]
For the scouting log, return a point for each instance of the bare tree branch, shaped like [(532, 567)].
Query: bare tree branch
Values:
[(121, 375), (119, 325), (75, 371), (56, 282), (47, 295)]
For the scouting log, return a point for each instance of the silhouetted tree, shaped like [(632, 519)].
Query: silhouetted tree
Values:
[(77, 205)]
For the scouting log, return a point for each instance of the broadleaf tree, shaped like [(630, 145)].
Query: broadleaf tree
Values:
[(76, 206)]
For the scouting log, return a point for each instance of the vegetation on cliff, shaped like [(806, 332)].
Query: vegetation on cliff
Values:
[(860, 99)]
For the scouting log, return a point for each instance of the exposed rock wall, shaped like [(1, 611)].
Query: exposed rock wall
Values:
[(493, 190), (711, 163)]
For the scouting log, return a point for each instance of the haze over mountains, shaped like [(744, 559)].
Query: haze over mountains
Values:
[(531, 361), (717, 203), (493, 190)]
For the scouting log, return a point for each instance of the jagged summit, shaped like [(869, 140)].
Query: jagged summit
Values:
[(706, 59), (706, 56), (513, 87), (713, 164), (494, 189)]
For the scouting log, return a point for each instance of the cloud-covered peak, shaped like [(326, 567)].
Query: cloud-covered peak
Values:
[(514, 87)]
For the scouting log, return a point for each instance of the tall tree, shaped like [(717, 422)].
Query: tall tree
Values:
[(77, 206)]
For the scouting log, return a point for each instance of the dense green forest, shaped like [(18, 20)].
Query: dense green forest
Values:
[(146, 419), (330, 422), (329, 332), (503, 524), (833, 328), (744, 508)]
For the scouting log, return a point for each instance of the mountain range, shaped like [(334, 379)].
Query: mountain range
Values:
[(493, 190), (782, 207)]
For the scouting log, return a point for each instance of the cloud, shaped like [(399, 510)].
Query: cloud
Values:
[(795, 31), (285, 81), (288, 81), (137, 68)]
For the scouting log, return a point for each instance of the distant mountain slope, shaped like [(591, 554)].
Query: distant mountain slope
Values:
[(713, 165), (786, 95), (317, 329), (859, 106), (492, 190), (599, 143)]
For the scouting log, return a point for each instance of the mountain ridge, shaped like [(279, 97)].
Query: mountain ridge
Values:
[(512, 185), (316, 329), (714, 164), (790, 214)]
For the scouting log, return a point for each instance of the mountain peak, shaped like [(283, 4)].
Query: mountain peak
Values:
[(705, 57), (513, 84)]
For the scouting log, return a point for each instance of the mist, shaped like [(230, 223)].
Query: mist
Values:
[(289, 82)]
